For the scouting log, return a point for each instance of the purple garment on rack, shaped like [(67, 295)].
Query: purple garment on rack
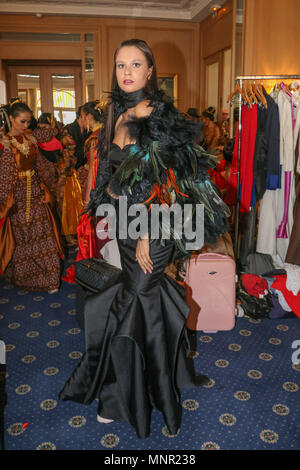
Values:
[(294, 119), (281, 232)]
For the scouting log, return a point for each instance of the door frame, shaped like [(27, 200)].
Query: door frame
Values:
[(215, 58), (45, 69)]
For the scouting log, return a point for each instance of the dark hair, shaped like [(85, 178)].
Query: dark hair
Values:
[(78, 112), (33, 123), (209, 113), (45, 118), (90, 108), (151, 86), (17, 108), (228, 150)]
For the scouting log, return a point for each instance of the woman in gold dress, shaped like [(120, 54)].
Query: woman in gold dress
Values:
[(89, 245)]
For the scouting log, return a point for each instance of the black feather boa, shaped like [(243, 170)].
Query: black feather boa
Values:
[(164, 140), (123, 101)]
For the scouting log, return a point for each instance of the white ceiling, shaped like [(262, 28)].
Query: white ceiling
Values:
[(184, 10)]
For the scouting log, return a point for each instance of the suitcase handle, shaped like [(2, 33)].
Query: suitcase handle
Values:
[(209, 255)]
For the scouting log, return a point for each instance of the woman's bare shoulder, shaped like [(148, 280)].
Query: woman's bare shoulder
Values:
[(143, 109)]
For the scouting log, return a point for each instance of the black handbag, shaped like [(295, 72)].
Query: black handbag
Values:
[(254, 307), (96, 274)]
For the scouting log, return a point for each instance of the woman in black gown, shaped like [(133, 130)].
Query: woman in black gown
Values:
[(136, 341)]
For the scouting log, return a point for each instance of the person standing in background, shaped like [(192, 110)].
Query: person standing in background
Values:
[(79, 134), (210, 130), (224, 126), (30, 243)]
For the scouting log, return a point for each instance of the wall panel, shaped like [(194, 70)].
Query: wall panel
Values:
[(175, 45), (216, 35), (271, 44)]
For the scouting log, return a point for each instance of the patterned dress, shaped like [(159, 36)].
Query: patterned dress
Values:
[(84, 176), (35, 261)]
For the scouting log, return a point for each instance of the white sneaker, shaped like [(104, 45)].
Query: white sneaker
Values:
[(104, 420), (53, 291)]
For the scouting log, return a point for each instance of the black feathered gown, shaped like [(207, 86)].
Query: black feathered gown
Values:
[(136, 345), (136, 341)]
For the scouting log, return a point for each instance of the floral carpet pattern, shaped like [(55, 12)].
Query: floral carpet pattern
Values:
[(251, 402)]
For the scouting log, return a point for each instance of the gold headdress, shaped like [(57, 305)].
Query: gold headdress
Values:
[(100, 105), (51, 121), (14, 101)]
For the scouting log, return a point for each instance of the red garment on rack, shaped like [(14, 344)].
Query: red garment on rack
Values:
[(248, 139)]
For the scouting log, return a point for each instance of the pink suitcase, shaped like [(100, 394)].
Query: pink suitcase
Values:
[(210, 283)]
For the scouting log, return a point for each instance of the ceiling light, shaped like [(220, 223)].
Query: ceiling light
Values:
[(215, 10)]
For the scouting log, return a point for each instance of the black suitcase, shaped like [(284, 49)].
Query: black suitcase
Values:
[(92, 276)]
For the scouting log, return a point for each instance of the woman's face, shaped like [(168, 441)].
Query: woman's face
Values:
[(82, 119), (43, 125), (20, 123), (89, 121), (132, 69)]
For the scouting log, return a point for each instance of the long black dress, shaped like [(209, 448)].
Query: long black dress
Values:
[(136, 343)]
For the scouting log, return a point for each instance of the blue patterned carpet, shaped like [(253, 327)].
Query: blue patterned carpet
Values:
[(252, 401)]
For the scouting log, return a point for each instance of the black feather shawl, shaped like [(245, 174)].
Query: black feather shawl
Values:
[(165, 156)]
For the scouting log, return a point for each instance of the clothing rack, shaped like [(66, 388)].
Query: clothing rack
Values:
[(239, 80)]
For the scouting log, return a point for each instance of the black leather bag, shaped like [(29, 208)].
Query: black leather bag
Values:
[(96, 274), (254, 307)]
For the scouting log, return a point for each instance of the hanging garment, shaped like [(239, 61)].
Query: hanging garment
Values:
[(248, 139), (293, 278), (260, 160), (248, 229), (258, 263), (276, 208), (286, 198), (266, 236), (297, 134), (272, 132), (293, 253)]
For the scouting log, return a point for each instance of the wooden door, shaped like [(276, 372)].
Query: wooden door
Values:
[(47, 88), (218, 80), (213, 78)]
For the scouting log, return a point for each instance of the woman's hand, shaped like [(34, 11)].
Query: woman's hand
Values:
[(143, 255), (46, 198), (6, 206), (10, 201)]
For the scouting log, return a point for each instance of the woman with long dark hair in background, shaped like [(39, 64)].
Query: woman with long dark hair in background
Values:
[(136, 340), (30, 242)]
